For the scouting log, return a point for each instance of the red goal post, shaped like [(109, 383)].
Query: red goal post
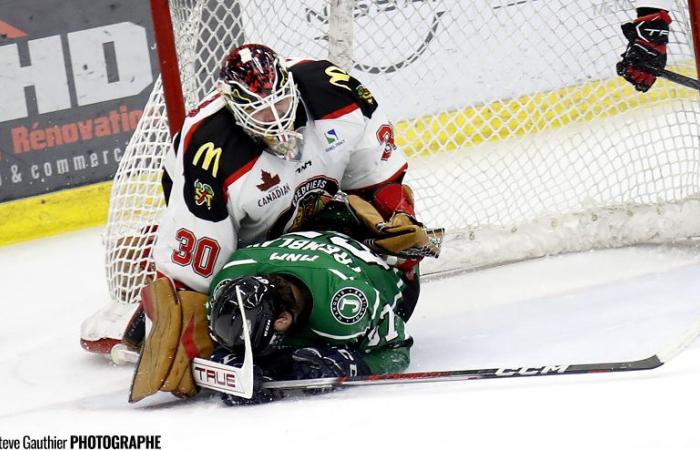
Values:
[(521, 139), (168, 63), (694, 15)]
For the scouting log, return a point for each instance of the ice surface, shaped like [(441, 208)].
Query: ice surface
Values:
[(595, 306)]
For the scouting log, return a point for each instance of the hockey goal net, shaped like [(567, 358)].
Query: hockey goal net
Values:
[(522, 141)]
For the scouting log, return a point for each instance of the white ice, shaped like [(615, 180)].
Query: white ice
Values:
[(607, 305)]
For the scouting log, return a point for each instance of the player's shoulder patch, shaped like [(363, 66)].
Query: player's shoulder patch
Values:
[(349, 305), (216, 150), (329, 91)]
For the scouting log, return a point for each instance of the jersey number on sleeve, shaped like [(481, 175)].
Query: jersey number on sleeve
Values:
[(385, 136), (200, 253), (391, 333)]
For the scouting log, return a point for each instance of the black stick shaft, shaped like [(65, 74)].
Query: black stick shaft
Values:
[(680, 79), (673, 76), (473, 374), (652, 362)]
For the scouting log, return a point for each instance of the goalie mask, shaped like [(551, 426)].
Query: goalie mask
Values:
[(261, 94), (261, 304)]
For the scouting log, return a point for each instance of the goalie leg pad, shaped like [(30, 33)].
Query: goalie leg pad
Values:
[(178, 334), (194, 342), (162, 306)]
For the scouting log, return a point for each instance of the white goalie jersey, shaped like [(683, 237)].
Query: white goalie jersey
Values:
[(223, 190)]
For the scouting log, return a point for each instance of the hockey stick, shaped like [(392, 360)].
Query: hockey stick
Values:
[(680, 79), (672, 76), (649, 363), (206, 374), (219, 374), (210, 374), (235, 381)]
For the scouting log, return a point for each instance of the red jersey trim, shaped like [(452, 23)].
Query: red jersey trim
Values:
[(236, 175), (193, 128), (292, 62), (341, 112), (188, 137), (203, 105)]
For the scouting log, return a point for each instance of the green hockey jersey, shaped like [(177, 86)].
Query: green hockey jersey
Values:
[(354, 293)]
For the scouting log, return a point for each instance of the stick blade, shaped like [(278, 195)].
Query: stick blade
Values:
[(222, 378)]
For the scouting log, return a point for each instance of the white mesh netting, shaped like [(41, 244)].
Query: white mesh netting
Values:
[(522, 141)]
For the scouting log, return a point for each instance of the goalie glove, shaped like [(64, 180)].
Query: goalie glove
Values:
[(400, 235), (645, 55), (387, 224)]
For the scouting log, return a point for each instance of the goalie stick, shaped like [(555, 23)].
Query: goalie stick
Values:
[(220, 377)]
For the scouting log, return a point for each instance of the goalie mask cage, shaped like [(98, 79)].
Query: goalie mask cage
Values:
[(521, 139)]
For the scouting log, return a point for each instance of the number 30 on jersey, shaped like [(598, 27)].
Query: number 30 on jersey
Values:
[(200, 253)]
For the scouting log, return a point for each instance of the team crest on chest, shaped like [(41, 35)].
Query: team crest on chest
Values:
[(349, 305), (308, 197)]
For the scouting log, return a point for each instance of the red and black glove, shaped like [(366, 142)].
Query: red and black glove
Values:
[(645, 55)]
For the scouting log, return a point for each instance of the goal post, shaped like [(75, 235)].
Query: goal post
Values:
[(168, 63), (521, 139), (694, 19)]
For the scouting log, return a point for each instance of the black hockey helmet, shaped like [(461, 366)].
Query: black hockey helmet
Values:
[(262, 306)]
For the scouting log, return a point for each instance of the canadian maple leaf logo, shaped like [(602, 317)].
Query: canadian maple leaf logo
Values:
[(268, 181)]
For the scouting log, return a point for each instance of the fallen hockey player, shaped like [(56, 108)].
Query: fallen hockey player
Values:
[(318, 305)]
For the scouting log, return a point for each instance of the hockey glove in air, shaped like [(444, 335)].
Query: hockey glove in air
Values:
[(645, 55), (327, 362), (260, 394)]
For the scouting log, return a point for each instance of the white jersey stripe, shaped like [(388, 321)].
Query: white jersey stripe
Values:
[(240, 263), (338, 274), (339, 338)]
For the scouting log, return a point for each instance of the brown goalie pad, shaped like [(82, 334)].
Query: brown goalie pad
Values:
[(194, 342), (162, 306)]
